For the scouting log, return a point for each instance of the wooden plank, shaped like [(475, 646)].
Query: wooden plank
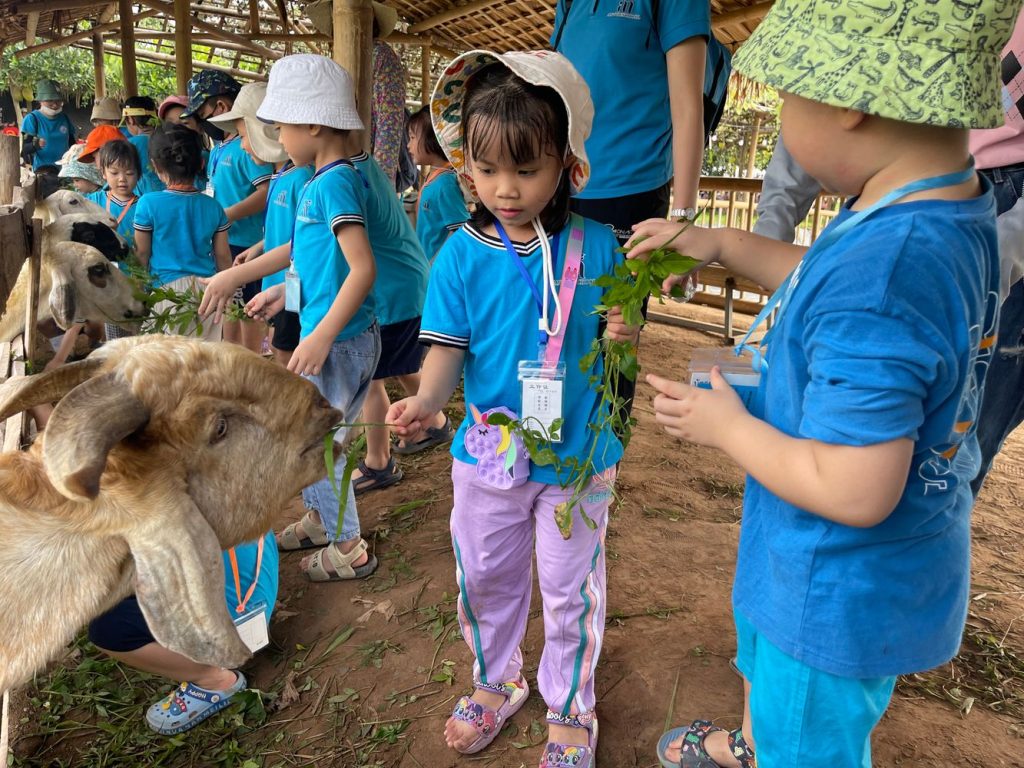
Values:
[(13, 252), (10, 168), (451, 14), (5, 359), (14, 427), (32, 306)]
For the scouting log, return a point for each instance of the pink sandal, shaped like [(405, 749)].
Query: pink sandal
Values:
[(488, 722), (571, 755)]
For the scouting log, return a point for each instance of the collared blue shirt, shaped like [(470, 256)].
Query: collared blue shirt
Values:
[(57, 132), (442, 210), (182, 225), (234, 176), (282, 200), (149, 181)]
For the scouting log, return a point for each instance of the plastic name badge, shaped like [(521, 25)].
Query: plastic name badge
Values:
[(738, 371), (252, 627), (542, 388), (292, 290)]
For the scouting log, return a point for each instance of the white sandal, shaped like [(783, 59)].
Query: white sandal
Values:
[(339, 567), (307, 533)]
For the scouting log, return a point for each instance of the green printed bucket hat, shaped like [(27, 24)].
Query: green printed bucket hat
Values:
[(48, 90), (546, 68), (935, 62)]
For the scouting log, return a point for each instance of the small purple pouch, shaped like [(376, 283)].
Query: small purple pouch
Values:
[(501, 458)]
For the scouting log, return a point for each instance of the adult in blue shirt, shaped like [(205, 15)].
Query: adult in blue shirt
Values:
[(46, 133)]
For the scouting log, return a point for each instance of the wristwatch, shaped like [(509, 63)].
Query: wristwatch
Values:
[(683, 214)]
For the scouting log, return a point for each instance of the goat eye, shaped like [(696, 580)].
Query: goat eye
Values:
[(220, 431), (98, 270)]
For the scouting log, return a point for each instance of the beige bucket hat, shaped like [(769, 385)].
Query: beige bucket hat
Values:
[(547, 68), (261, 136)]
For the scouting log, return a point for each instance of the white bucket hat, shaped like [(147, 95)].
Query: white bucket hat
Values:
[(262, 137), (546, 68), (309, 89)]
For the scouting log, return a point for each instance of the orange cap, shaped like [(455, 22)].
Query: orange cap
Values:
[(97, 137)]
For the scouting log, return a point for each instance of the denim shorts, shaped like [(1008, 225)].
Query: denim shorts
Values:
[(803, 716)]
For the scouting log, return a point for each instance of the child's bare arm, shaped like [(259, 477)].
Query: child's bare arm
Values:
[(143, 246), (219, 289), (221, 251), (852, 485), (249, 206), (761, 259), (309, 356), (441, 372)]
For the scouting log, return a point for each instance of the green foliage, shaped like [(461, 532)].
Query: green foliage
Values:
[(728, 150)]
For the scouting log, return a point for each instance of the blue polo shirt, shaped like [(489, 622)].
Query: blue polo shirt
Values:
[(335, 196), (619, 49), (477, 301), (115, 207), (887, 335), (58, 133), (246, 555), (282, 199), (402, 267), (234, 176), (182, 225), (149, 182), (441, 211)]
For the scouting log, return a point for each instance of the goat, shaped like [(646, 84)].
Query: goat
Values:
[(161, 452), (64, 201)]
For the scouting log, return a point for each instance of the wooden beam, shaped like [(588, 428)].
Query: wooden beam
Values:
[(47, 6), (425, 75), (230, 13), (451, 14), (212, 29), (131, 74), (353, 49), (98, 65), (31, 24), (32, 306), (108, 13), (182, 44), (61, 42), (163, 58), (403, 38), (254, 17), (754, 12), (204, 40), (10, 171)]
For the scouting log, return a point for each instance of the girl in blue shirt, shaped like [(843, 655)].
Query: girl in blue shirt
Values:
[(121, 168)]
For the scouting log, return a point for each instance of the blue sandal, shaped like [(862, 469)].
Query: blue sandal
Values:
[(188, 705), (692, 753)]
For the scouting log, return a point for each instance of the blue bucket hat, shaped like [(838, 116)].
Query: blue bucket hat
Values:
[(207, 84)]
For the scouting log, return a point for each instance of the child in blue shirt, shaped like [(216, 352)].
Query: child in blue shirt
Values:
[(120, 166), (442, 208), (854, 553), (140, 119), (180, 233)]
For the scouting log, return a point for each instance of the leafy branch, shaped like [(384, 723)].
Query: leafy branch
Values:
[(179, 313)]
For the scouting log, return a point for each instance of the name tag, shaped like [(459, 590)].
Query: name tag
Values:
[(292, 290), (252, 627), (542, 393)]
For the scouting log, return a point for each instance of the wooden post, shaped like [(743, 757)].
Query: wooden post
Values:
[(353, 49), (98, 65), (131, 75), (10, 171), (755, 135), (35, 260), (425, 75), (31, 24), (183, 43)]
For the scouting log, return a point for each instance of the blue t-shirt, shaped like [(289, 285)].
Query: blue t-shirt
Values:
[(266, 584), (334, 197), (620, 51), (234, 176), (478, 301), (441, 211), (182, 225), (58, 133), (149, 181), (402, 267), (115, 207), (887, 335), (282, 199)]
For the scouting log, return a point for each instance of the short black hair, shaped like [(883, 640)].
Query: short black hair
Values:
[(119, 152), (420, 120), (176, 151), (526, 120)]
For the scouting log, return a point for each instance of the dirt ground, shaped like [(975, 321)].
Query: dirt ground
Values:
[(379, 694)]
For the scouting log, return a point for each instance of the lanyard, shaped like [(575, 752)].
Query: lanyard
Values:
[(783, 293), (124, 210), (242, 602), (570, 276), (288, 165), (542, 335)]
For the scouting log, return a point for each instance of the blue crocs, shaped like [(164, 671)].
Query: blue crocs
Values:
[(188, 705)]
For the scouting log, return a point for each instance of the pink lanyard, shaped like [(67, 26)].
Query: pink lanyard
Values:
[(567, 290)]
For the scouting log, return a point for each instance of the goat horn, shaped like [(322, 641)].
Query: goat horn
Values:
[(25, 391), (90, 420)]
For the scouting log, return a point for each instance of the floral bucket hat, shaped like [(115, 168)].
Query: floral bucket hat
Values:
[(935, 62), (546, 68)]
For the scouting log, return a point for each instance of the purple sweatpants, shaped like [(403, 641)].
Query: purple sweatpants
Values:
[(494, 533)]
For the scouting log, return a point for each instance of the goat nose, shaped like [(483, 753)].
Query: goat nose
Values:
[(129, 314)]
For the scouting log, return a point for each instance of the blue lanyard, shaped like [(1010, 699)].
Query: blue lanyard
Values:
[(782, 294), (542, 336), (320, 172), (288, 165)]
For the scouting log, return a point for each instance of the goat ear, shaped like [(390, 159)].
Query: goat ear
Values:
[(25, 391), (62, 298), (180, 585), (90, 420)]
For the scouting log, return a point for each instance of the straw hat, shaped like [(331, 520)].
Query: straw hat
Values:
[(262, 137), (106, 109), (546, 68), (310, 89), (321, 13), (937, 65)]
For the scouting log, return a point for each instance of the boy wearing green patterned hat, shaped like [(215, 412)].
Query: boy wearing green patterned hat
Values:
[(859, 441)]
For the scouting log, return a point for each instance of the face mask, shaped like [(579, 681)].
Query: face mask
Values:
[(212, 130), (51, 112)]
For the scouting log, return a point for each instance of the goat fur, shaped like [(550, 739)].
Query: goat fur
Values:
[(161, 452)]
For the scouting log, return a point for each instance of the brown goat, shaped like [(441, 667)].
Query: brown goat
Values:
[(161, 452)]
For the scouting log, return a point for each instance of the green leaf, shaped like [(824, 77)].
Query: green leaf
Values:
[(498, 419)]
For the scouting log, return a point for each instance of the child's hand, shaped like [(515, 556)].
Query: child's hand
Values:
[(694, 241), (265, 304), (249, 253), (616, 328), (699, 416), (308, 358), (409, 416), (218, 292)]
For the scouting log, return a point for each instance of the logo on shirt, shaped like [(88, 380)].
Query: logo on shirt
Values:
[(63, 129), (305, 212), (282, 198), (625, 10)]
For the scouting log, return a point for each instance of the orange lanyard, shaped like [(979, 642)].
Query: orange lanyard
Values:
[(238, 580), (123, 210), (433, 175)]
